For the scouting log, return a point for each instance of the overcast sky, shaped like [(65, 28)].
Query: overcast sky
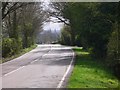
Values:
[(57, 26), (51, 25)]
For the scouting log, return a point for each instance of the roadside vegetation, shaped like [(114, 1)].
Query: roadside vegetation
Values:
[(93, 26), (21, 52), (21, 23), (90, 73)]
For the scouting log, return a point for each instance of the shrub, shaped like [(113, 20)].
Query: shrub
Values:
[(30, 41), (113, 55), (78, 41), (65, 36), (11, 46), (6, 47)]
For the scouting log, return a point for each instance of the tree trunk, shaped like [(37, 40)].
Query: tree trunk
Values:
[(15, 32)]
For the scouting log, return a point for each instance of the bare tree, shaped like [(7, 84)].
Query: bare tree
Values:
[(9, 7), (57, 10)]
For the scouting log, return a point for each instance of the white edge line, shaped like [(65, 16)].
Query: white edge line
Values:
[(19, 56), (24, 66), (14, 71), (63, 78)]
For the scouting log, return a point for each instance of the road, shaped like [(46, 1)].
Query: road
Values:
[(47, 66)]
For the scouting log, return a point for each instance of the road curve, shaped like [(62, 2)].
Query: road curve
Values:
[(47, 66)]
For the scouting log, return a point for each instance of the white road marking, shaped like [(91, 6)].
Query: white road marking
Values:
[(64, 76), (33, 61), (30, 63), (66, 73), (14, 71), (42, 56)]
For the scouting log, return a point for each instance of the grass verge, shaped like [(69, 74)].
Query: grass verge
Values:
[(90, 73), (19, 54)]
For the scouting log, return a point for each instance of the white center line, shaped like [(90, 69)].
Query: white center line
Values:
[(14, 71), (24, 66)]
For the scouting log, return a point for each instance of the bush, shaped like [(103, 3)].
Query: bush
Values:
[(11, 46), (17, 45), (30, 41), (65, 36), (112, 49), (78, 41), (113, 55), (6, 47)]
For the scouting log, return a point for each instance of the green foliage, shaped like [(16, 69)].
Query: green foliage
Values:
[(96, 27), (28, 35), (90, 27), (21, 52), (6, 47), (113, 52), (65, 36), (30, 41), (78, 40), (89, 73), (112, 48), (20, 25), (10, 46)]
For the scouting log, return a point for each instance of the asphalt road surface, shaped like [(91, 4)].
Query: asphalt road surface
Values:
[(47, 66)]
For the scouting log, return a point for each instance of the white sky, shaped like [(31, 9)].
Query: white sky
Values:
[(51, 25), (57, 26), (60, 0)]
